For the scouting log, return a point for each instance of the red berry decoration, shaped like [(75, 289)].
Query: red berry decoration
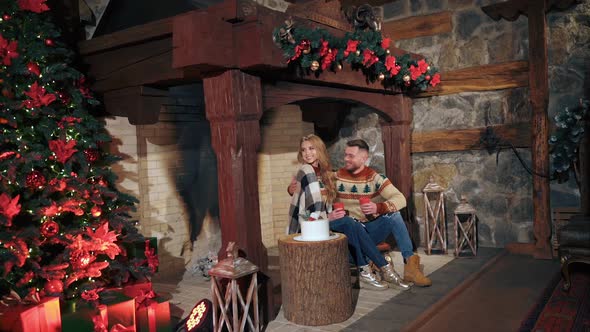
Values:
[(33, 68), (35, 180), (49, 228), (6, 17), (95, 211), (49, 42), (92, 155), (54, 286)]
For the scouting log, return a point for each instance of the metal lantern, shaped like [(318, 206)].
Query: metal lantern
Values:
[(228, 301), (434, 216), (465, 227)]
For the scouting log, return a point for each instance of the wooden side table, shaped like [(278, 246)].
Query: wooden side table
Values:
[(315, 280)]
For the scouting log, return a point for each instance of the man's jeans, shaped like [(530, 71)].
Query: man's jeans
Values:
[(364, 237)]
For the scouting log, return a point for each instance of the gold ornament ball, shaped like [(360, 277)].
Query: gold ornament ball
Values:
[(306, 50), (406, 78), (381, 77), (357, 53), (314, 65)]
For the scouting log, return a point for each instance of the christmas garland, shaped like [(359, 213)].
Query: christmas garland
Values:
[(317, 51)]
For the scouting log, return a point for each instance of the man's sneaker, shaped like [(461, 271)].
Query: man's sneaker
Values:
[(389, 275), (368, 279)]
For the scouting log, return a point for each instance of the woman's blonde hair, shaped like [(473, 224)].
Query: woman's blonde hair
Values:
[(326, 174)]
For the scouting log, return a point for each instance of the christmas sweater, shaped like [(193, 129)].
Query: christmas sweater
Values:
[(368, 183)]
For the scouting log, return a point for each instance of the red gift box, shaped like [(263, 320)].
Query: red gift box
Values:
[(120, 309), (137, 289), (41, 317), (154, 316), (76, 318)]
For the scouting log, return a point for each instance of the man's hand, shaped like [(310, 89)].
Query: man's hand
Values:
[(293, 186), (336, 214), (369, 208)]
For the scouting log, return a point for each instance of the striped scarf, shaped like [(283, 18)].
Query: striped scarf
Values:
[(307, 199)]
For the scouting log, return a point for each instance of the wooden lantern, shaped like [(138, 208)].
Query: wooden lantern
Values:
[(465, 227), (434, 216), (229, 307)]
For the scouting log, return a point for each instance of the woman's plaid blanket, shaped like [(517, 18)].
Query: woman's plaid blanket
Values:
[(306, 199)]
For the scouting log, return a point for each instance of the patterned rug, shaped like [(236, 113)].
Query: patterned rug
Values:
[(558, 310)]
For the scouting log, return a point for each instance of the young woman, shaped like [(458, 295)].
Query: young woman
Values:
[(314, 186)]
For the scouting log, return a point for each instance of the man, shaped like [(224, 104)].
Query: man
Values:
[(378, 213)]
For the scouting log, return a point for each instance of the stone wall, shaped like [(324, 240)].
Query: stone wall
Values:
[(500, 190)]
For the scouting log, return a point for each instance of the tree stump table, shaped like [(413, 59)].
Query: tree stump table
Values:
[(315, 280)]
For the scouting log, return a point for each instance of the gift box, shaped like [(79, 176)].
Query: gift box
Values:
[(80, 317), (136, 249), (137, 289), (116, 312), (153, 316), (120, 309), (42, 317)]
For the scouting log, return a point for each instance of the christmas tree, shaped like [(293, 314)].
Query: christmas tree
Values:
[(63, 223)]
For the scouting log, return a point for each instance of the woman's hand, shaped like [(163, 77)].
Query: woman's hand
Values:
[(293, 186), (369, 208), (336, 214)]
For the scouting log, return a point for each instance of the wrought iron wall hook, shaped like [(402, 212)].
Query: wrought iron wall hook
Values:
[(490, 140)]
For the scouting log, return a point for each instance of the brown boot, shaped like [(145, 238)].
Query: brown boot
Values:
[(413, 274)]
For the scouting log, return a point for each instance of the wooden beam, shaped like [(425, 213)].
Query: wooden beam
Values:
[(419, 26), (518, 135), (511, 10), (481, 78), (131, 36), (141, 105), (283, 93)]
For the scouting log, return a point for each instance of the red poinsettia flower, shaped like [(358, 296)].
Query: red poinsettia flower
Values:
[(151, 257), (369, 58), (351, 47), (38, 97), (8, 50), (7, 154), (329, 58), (63, 150), (435, 79), (19, 249), (415, 72), (91, 294), (73, 205), (9, 207), (36, 6), (93, 271), (391, 66), (324, 49), (423, 65), (105, 240), (28, 276), (50, 211), (385, 43)]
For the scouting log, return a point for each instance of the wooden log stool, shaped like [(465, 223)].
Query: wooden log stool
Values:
[(315, 280)]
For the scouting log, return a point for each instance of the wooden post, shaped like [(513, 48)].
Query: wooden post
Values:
[(539, 96), (398, 161), (233, 107)]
